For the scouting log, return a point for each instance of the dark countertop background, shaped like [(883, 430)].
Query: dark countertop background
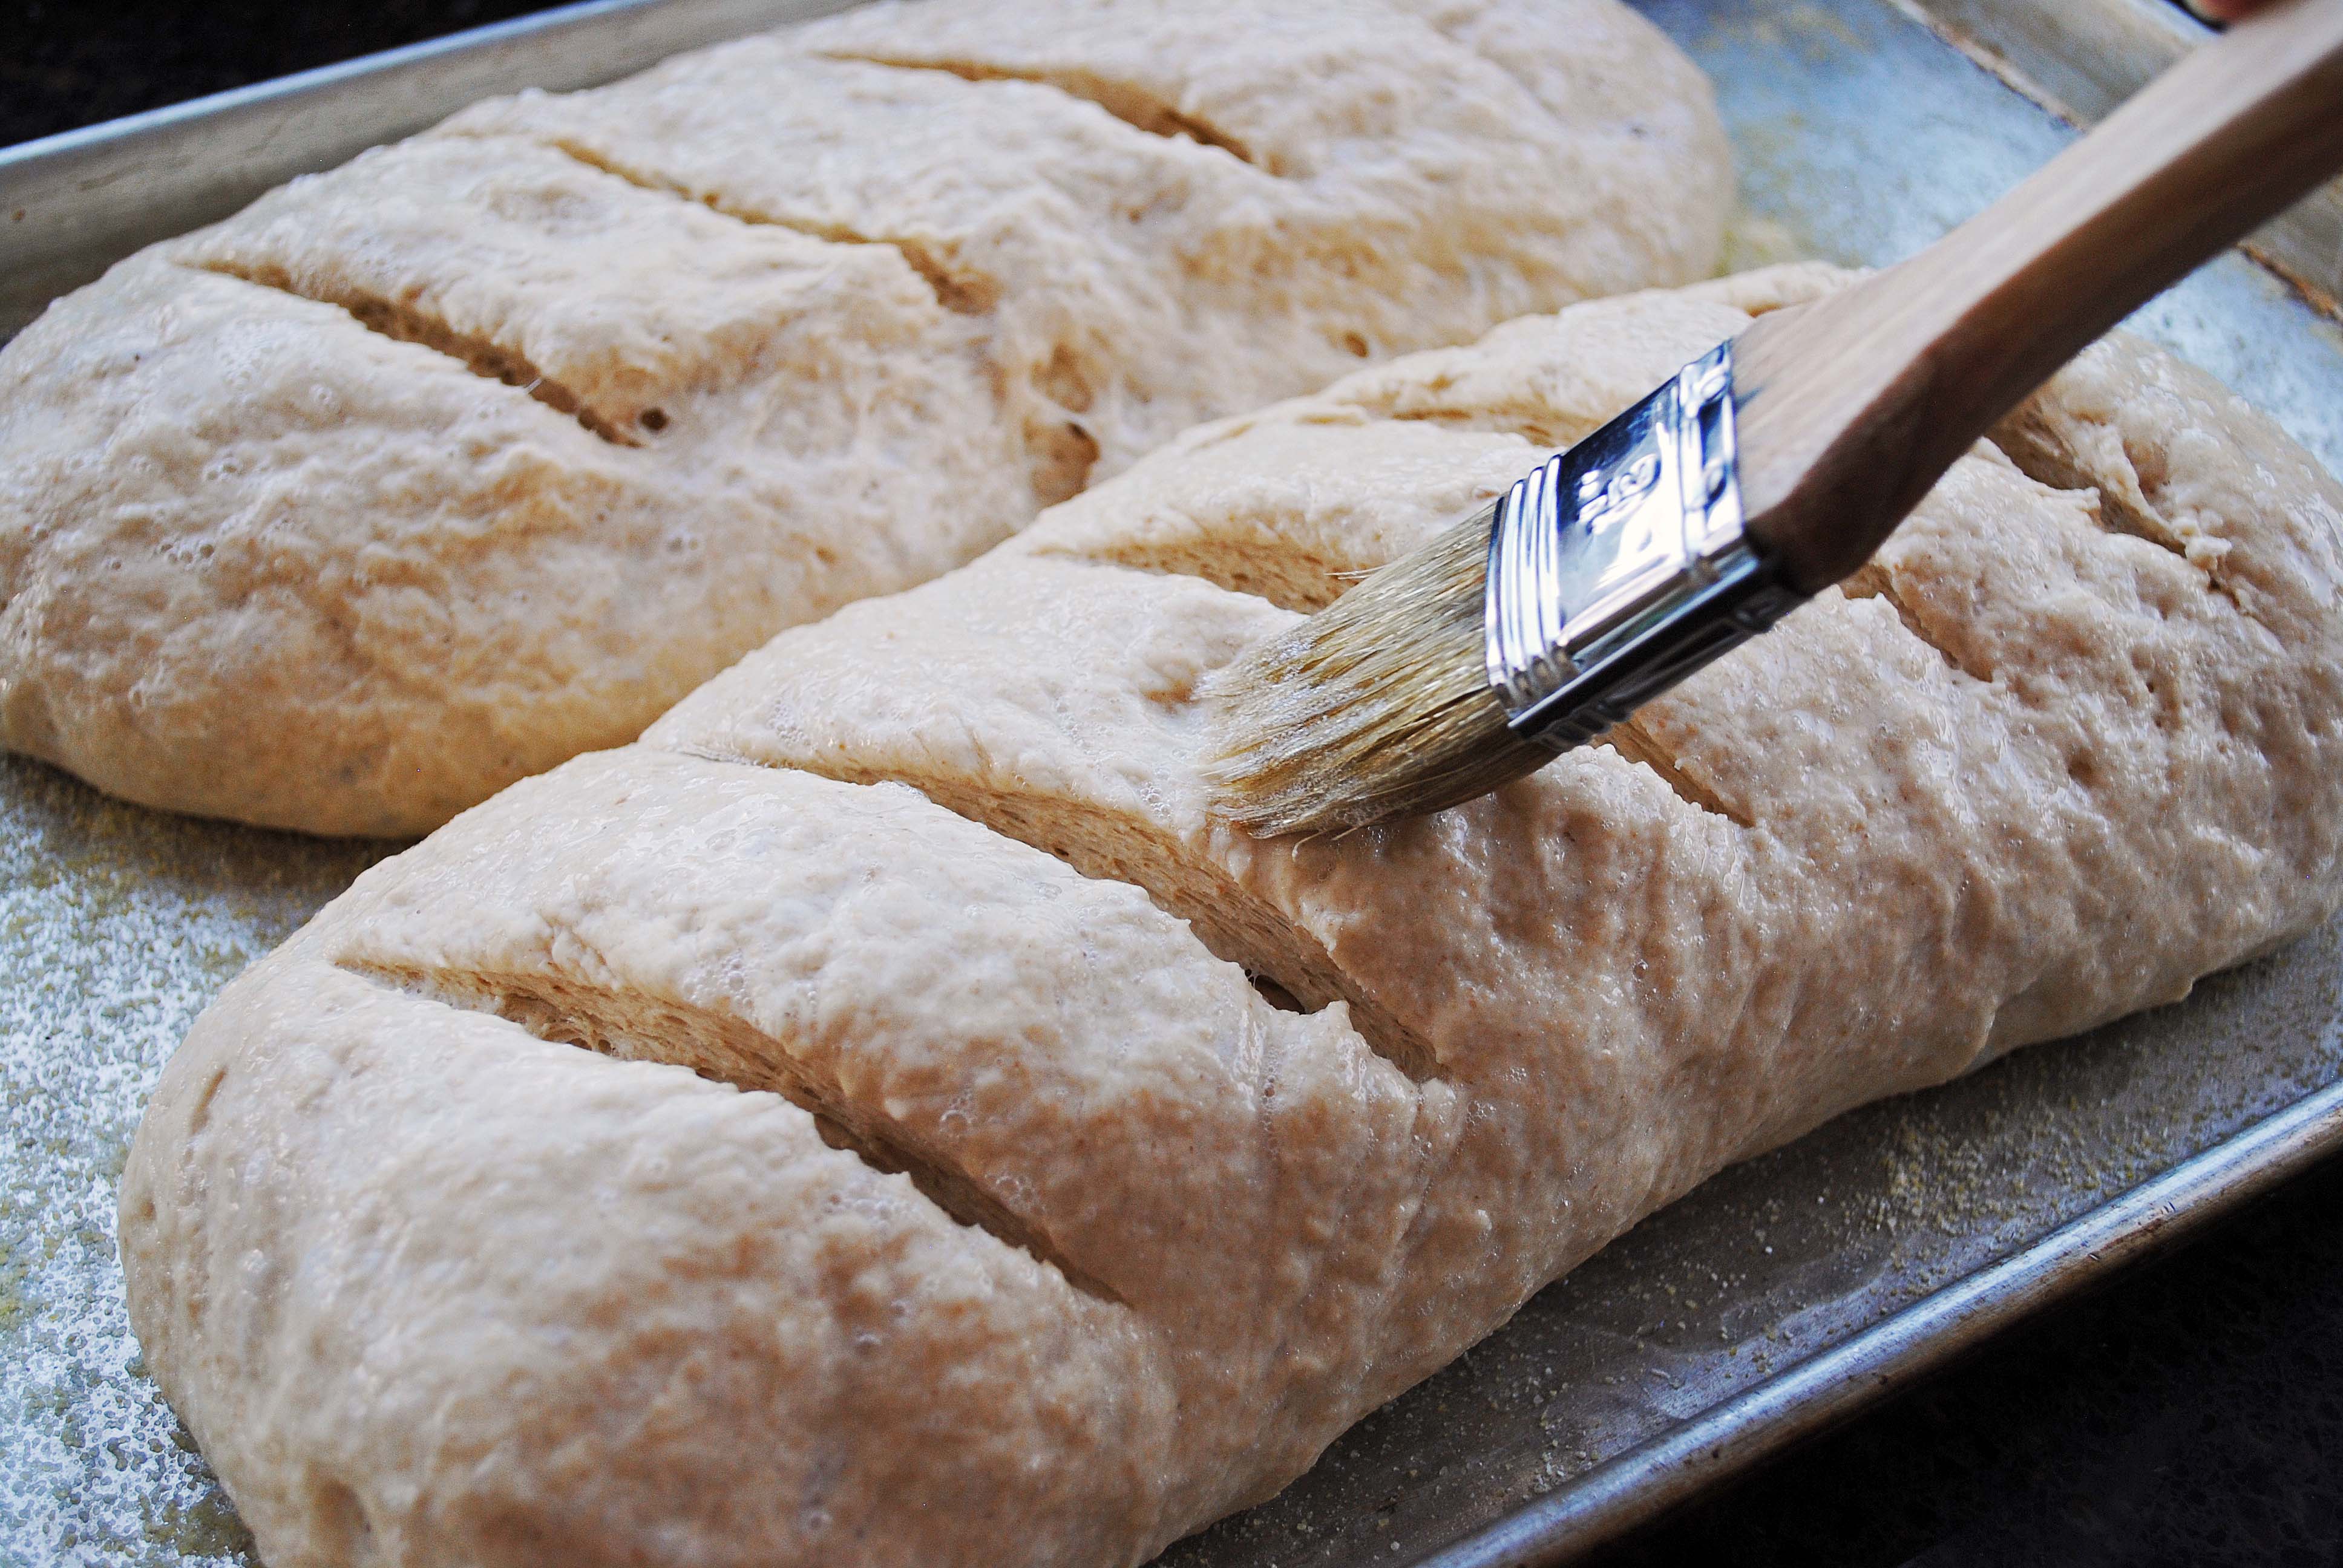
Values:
[(2189, 1413)]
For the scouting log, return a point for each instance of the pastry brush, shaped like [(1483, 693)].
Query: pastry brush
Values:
[(1767, 470)]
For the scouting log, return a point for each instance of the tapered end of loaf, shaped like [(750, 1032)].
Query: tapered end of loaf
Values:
[(1376, 707)]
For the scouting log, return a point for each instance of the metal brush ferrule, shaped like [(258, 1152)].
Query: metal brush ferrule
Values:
[(1622, 566)]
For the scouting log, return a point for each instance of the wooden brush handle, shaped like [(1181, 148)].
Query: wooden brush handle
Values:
[(1852, 407)]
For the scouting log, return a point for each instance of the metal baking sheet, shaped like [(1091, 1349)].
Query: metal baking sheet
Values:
[(1777, 1297), (2086, 56)]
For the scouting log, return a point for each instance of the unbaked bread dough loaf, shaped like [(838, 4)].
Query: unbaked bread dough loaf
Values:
[(842, 1127), (426, 473)]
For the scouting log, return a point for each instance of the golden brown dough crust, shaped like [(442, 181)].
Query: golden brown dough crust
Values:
[(1039, 1236), (425, 473)]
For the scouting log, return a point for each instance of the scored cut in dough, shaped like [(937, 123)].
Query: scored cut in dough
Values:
[(423, 474), (839, 1127)]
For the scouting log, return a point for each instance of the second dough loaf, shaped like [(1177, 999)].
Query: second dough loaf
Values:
[(839, 1129), (425, 473)]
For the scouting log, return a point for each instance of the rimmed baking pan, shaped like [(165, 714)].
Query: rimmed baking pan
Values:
[(1779, 1297)]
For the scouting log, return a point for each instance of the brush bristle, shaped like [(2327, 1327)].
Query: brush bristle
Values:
[(1377, 707)]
